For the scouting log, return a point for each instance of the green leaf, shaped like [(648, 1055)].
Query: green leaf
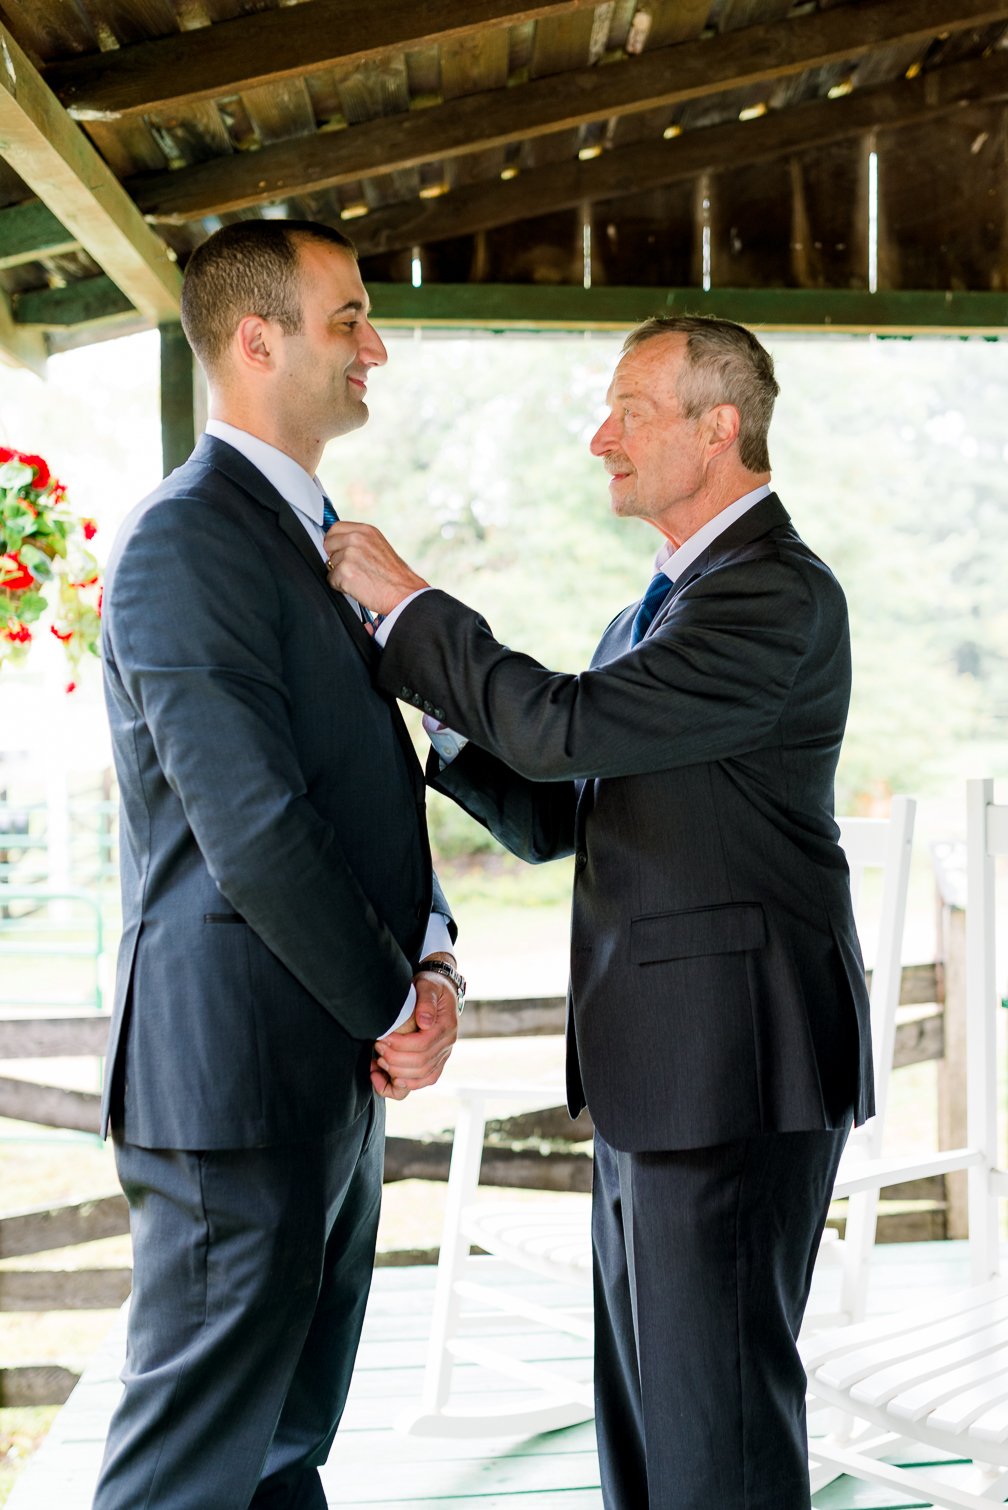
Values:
[(14, 475), (37, 562)]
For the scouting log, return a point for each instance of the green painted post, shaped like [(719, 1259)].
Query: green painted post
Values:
[(178, 425)]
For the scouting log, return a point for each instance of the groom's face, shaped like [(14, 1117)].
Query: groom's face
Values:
[(327, 362)]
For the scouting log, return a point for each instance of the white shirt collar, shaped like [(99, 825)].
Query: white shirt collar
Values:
[(302, 491), (673, 562)]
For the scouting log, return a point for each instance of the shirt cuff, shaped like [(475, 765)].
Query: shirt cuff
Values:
[(437, 940), (404, 1015), (384, 629), (447, 743)]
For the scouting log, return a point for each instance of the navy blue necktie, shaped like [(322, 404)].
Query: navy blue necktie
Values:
[(330, 516), (658, 590)]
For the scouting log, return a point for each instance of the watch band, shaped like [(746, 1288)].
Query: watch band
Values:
[(442, 967)]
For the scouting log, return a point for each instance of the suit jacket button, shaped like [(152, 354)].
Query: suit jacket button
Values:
[(404, 692), (440, 715), (580, 860), (428, 707)]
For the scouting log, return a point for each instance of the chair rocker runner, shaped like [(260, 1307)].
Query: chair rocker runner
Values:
[(552, 1238), (940, 1378)]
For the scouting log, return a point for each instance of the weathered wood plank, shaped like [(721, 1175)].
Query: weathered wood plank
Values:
[(49, 1105), (88, 300), (629, 170), (56, 160), (63, 1226), (36, 1384), (265, 47), (24, 348), (53, 1037), (63, 1289), (59, 1037), (29, 231), (920, 1039), (541, 1167), (663, 77)]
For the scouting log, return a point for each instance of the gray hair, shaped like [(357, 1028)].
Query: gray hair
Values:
[(725, 364)]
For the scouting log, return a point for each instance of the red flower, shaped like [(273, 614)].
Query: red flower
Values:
[(16, 632), (65, 638), (42, 472), (6, 454), (14, 575), (90, 528), (70, 687)]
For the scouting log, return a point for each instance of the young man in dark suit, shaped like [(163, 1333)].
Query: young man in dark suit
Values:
[(718, 1018), (280, 913)]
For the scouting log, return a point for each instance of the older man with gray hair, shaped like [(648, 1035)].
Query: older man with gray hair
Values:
[(718, 1018)]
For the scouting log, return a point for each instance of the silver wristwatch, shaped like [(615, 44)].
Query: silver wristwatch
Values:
[(442, 967)]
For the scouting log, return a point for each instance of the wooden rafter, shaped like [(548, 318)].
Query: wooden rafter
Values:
[(18, 346), (29, 231), (645, 165), (290, 42), (56, 160), (666, 77)]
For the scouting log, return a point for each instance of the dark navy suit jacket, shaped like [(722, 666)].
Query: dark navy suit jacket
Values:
[(276, 871), (717, 988)]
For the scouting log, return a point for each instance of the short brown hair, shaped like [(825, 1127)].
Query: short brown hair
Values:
[(247, 268), (725, 364)]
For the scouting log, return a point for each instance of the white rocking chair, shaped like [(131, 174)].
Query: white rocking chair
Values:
[(939, 1378), (551, 1238)]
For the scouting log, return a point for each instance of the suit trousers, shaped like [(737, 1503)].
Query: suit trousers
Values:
[(251, 1271), (702, 1265)]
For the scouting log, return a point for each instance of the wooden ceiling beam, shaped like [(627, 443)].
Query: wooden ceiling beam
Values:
[(83, 302), (29, 231), (56, 160), (214, 61), (667, 77), (629, 170), (18, 346)]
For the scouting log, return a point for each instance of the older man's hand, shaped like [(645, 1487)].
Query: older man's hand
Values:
[(363, 564)]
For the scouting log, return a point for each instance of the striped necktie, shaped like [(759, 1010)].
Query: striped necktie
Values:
[(658, 590)]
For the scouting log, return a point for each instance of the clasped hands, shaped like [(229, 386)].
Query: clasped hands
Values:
[(364, 565), (415, 1054)]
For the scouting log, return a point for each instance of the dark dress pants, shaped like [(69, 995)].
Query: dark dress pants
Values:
[(251, 1274), (703, 1260)]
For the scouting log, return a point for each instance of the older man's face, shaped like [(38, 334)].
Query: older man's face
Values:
[(654, 456)]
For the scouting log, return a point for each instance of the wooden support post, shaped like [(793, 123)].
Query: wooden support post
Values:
[(178, 426), (950, 877)]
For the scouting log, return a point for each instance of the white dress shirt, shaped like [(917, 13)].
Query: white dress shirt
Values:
[(305, 495)]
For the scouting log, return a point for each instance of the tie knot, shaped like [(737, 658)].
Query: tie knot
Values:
[(658, 590), (329, 514)]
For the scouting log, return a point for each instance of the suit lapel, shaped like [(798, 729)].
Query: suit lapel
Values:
[(211, 452), (224, 458), (763, 517)]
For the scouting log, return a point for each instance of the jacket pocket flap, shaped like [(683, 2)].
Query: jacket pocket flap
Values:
[(705, 930)]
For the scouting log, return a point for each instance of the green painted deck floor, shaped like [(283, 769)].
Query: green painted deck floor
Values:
[(373, 1465)]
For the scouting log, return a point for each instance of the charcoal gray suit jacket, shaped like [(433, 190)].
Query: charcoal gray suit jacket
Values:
[(717, 989), (275, 866)]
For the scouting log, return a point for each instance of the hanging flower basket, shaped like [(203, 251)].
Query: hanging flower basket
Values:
[(45, 564)]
